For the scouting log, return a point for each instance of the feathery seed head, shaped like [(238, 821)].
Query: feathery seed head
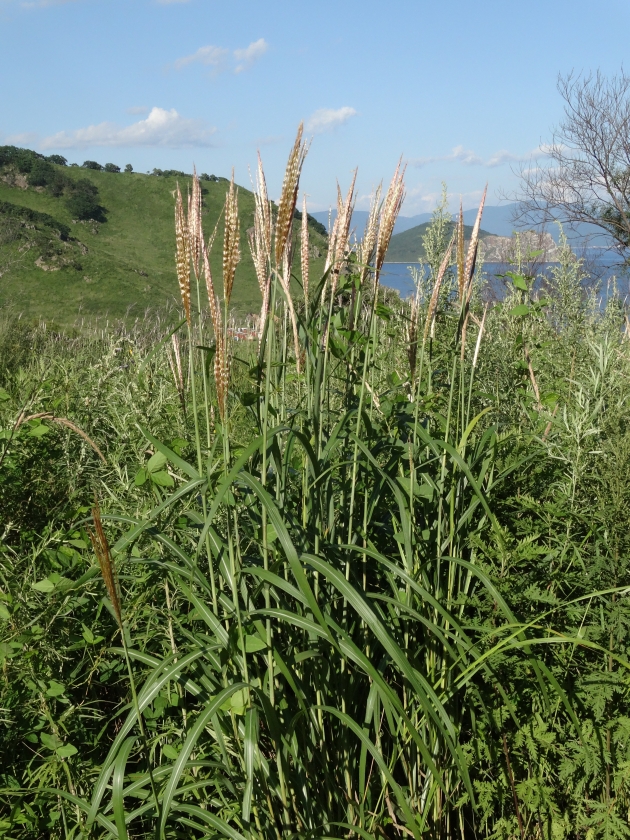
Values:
[(231, 241), (104, 557), (391, 208), (288, 196), (183, 254), (429, 323)]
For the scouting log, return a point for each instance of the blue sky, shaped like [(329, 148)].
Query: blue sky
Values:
[(464, 91)]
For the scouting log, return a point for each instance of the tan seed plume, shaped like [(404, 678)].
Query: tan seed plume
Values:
[(471, 261), (288, 196), (338, 239), (391, 208), (182, 254), (221, 359), (260, 245), (104, 557), (368, 245), (231, 241), (195, 233)]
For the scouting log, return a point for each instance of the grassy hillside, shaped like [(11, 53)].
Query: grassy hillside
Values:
[(407, 246), (115, 268)]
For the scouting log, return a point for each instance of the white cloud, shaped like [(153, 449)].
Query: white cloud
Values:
[(160, 128), (137, 109), (210, 56), (470, 158), (250, 54), (325, 119)]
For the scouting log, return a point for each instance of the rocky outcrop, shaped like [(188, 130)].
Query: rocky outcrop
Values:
[(505, 248)]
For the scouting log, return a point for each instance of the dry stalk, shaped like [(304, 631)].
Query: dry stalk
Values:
[(471, 261), (412, 334), (368, 244), (104, 557), (479, 335)]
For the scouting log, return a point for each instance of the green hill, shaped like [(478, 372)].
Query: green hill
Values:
[(60, 268), (407, 246)]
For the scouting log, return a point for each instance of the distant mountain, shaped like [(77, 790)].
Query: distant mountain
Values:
[(360, 217), (500, 220), (407, 246)]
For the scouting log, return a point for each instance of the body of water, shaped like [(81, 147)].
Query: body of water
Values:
[(601, 268)]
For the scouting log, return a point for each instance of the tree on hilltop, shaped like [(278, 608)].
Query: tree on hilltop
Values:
[(587, 175)]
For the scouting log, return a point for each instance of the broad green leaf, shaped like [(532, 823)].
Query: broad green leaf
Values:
[(253, 644), (5, 615), (520, 310), (162, 478), (169, 751), (140, 477), (66, 751), (38, 431), (156, 462), (55, 689), (45, 585), (50, 741)]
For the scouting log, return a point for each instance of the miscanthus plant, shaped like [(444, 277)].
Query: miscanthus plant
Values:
[(362, 576)]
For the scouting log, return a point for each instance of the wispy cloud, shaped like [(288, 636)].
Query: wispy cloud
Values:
[(250, 54), (209, 56), (42, 4), (326, 119), (470, 158), (219, 57), (160, 128), (137, 109)]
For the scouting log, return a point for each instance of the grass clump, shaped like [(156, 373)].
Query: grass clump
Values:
[(366, 574)]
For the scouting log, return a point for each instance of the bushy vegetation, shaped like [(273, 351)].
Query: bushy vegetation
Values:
[(365, 576)]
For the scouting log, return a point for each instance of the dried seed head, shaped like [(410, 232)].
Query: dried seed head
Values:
[(391, 208), (472, 248), (428, 326), (195, 233), (231, 241), (104, 557), (288, 196), (183, 254), (338, 241), (368, 244)]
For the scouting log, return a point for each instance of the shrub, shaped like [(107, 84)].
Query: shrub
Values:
[(128, 167), (111, 167), (92, 164), (82, 202), (58, 159), (42, 173)]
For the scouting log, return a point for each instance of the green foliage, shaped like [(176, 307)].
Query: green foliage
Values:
[(92, 164), (367, 600), (128, 167), (111, 167)]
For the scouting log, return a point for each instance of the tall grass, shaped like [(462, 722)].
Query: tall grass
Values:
[(364, 600)]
